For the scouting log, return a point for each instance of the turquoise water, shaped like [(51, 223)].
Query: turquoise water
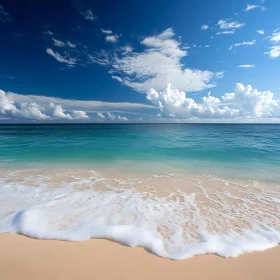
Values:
[(178, 190), (238, 150)]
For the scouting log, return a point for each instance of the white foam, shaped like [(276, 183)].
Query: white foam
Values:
[(178, 226)]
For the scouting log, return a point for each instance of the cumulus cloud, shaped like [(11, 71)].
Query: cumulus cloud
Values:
[(275, 48), (260, 31), (246, 66), (111, 38), (79, 115), (29, 108), (204, 27), (67, 60), (4, 16), (228, 24), (34, 111), (120, 118), (249, 43), (274, 51), (111, 117), (244, 102), (158, 64), (275, 37)]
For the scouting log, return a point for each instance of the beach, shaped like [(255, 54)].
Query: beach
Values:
[(105, 202), (25, 258)]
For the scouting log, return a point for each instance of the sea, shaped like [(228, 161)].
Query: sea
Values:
[(177, 190)]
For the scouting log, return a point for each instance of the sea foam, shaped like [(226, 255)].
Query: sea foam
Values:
[(229, 220)]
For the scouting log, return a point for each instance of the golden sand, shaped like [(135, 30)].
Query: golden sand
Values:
[(25, 258)]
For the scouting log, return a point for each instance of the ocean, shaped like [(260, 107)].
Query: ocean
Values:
[(178, 190)]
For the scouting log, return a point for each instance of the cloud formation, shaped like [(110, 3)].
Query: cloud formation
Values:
[(111, 117), (249, 43), (67, 60), (251, 7), (31, 108), (226, 32), (111, 38), (275, 48), (246, 66), (204, 27), (228, 24), (244, 102), (260, 31), (158, 64), (36, 112), (61, 44)]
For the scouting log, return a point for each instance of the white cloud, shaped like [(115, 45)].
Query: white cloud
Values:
[(70, 45), (158, 64), (111, 116), (58, 43), (58, 112), (260, 31), (275, 37), (126, 49), (246, 66), (26, 108), (79, 115), (101, 116), (69, 61), (228, 24), (88, 14), (111, 38), (117, 78), (274, 51), (204, 27), (249, 43), (251, 7), (244, 102), (275, 40), (227, 32), (61, 44), (122, 118), (106, 31)]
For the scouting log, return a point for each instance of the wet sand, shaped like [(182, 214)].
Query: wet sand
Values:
[(25, 258)]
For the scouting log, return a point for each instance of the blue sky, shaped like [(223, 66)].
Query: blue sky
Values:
[(139, 61)]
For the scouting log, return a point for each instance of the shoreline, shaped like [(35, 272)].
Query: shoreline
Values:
[(26, 258)]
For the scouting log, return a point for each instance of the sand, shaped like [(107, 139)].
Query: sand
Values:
[(25, 258)]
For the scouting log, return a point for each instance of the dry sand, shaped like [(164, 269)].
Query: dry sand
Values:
[(25, 258)]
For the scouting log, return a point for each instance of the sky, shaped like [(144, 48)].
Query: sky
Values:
[(139, 61)]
